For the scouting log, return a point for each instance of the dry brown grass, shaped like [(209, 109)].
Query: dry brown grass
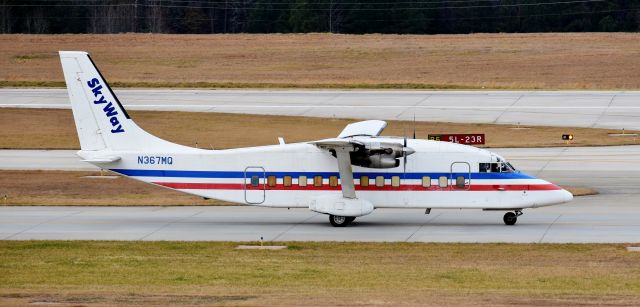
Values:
[(580, 191), (74, 189), (334, 274), (219, 130), (550, 61)]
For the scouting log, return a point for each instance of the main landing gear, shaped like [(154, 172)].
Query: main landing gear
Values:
[(340, 221), (510, 218)]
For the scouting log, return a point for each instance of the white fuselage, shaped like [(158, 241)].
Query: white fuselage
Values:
[(437, 175)]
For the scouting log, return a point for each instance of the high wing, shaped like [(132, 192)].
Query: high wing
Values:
[(367, 128), (363, 152)]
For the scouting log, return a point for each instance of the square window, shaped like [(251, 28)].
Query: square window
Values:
[(255, 181), (271, 181), (379, 181), (426, 181), (302, 181), (317, 181), (333, 181), (287, 181), (460, 182), (395, 181), (364, 181), (443, 182)]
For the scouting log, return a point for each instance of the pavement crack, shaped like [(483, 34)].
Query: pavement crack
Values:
[(604, 111), (549, 227), (509, 107), (551, 159), (421, 226), (169, 223), (293, 226), (42, 223)]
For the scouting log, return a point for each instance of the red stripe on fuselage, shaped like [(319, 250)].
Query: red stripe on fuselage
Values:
[(406, 187)]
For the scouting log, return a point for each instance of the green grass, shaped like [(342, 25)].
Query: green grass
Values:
[(383, 270)]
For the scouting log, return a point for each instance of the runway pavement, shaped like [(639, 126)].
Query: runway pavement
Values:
[(600, 109), (611, 216)]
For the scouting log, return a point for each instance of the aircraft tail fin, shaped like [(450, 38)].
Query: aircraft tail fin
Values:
[(101, 120)]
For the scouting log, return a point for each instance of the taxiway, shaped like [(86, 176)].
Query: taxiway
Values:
[(597, 109)]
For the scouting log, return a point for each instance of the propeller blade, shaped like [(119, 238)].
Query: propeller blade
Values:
[(404, 155)]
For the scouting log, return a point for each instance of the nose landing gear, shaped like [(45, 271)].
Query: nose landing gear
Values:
[(510, 218)]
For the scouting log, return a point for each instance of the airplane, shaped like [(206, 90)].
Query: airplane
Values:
[(344, 177)]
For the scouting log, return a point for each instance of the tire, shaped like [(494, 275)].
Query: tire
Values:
[(510, 218), (339, 221)]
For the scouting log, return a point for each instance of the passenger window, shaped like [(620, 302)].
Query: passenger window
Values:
[(317, 181), (287, 181), (395, 181), (302, 181), (379, 181), (364, 181), (443, 182), (255, 181), (271, 181), (426, 181), (333, 181), (460, 182)]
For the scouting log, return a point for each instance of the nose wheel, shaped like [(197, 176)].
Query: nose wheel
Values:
[(510, 218)]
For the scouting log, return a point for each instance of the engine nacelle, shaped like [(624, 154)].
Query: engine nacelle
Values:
[(375, 161)]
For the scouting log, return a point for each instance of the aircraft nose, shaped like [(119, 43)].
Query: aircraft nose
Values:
[(566, 196)]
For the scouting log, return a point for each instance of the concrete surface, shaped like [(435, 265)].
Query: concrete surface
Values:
[(601, 109)]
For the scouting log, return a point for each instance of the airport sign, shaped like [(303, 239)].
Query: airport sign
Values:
[(467, 139)]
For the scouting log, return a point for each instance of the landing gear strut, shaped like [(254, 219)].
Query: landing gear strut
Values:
[(510, 218), (340, 221)]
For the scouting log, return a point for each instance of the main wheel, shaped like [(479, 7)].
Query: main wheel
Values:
[(339, 221), (510, 218)]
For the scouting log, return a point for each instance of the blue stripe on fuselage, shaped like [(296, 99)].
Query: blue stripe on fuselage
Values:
[(356, 175)]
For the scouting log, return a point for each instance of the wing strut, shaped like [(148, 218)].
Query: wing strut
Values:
[(346, 173)]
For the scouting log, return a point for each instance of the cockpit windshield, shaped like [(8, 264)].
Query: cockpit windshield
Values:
[(497, 167)]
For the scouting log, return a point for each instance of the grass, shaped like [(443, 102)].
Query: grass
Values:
[(60, 188), (220, 130), (496, 61), (206, 273)]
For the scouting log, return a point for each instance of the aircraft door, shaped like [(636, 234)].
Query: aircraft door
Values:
[(460, 178), (254, 184)]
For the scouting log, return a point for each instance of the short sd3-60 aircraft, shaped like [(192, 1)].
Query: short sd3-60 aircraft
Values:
[(344, 177)]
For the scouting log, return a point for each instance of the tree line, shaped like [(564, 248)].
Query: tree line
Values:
[(336, 16)]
